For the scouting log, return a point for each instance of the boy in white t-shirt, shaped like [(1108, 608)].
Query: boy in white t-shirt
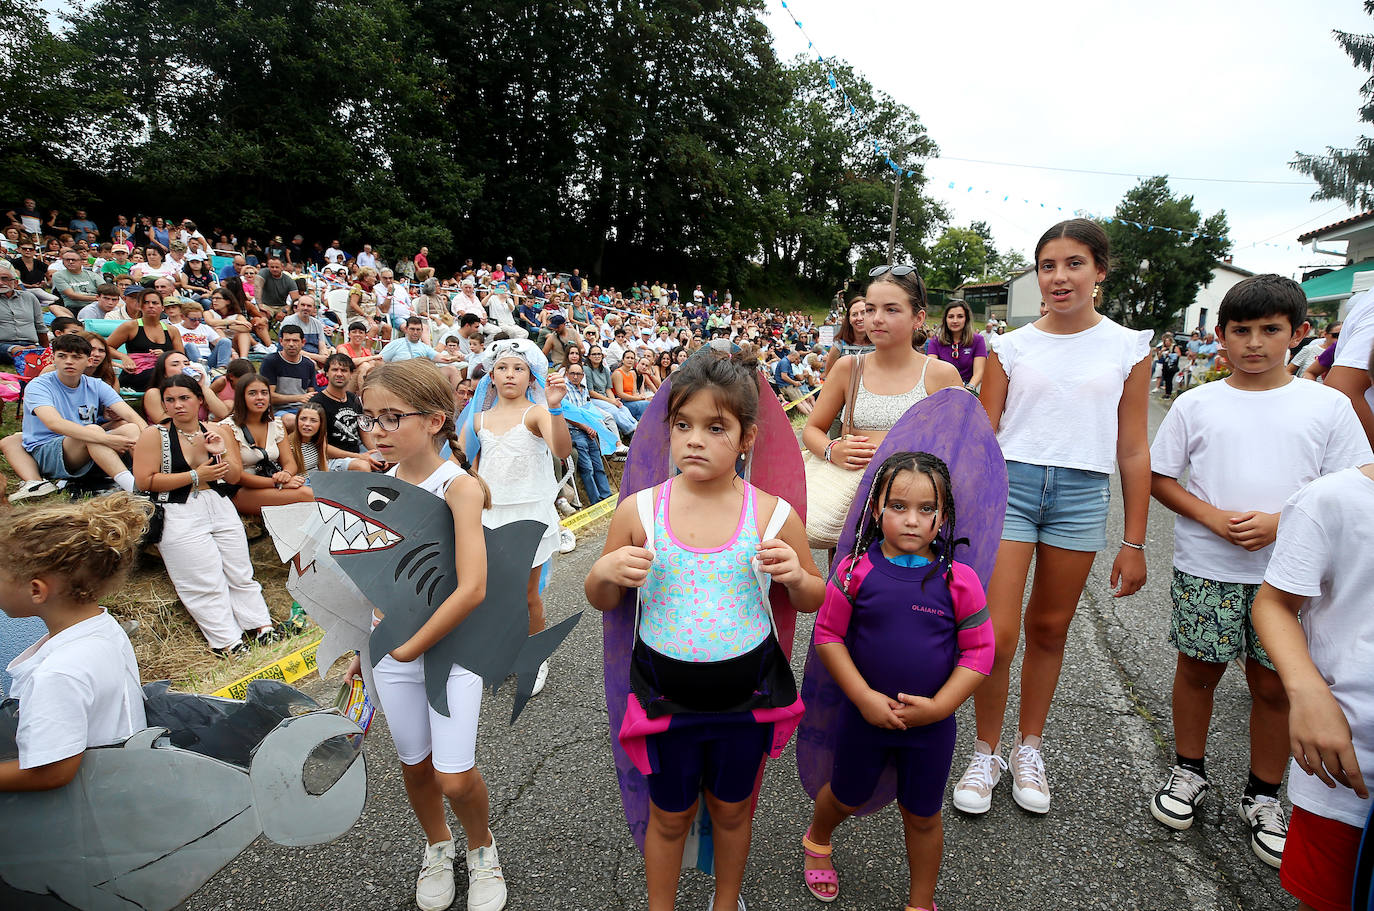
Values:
[(78, 686), (1321, 567), (1247, 443)]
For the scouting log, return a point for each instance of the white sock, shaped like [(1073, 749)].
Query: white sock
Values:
[(125, 480)]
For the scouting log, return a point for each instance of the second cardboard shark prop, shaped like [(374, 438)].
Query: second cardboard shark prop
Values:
[(149, 820), (372, 539)]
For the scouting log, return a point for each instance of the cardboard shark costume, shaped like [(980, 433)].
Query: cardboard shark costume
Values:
[(148, 821), (775, 466), (952, 425), (374, 539)]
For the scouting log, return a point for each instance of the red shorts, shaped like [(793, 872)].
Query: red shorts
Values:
[(1319, 861)]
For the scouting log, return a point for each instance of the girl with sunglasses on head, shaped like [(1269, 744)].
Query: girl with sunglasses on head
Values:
[(1068, 397), (892, 378)]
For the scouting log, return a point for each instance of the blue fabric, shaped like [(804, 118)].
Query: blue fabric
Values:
[(908, 560), (82, 405), (16, 634), (589, 466)]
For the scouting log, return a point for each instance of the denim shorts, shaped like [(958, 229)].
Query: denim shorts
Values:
[(1061, 507), (52, 464)]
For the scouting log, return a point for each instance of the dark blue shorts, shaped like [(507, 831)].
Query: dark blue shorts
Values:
[(922, 757), (724, 759)]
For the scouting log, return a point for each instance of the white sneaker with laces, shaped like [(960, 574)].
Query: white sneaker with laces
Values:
[(973, 793), (567, 541), (540, 679), (434, 890), (486, 883), (711, 905), (1175, 803), (1029, 786), (564, 507), (29, 489), (1268, 827)]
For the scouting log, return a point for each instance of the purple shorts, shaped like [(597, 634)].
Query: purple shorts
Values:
[(921, 756), (722, 758)]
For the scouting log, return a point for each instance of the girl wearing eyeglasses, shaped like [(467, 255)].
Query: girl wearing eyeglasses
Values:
[(408, 408), (892, 378)]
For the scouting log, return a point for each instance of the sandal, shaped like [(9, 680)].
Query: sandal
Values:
[(933, 907), (816, 878)]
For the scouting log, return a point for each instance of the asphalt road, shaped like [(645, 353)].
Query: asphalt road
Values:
[(564, 844)]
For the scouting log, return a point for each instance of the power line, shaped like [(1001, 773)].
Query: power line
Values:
[(1041, 167)]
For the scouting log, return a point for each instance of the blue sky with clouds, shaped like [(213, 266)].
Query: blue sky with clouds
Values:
[(1205, 89)]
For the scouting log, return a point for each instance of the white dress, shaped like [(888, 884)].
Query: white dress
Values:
[(517, 468)]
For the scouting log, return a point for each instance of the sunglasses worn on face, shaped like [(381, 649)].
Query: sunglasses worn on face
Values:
[(897, 271)]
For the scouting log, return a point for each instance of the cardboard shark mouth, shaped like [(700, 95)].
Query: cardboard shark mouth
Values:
[(355, 534)]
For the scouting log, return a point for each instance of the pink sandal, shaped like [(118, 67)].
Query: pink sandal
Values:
[(816, 878)]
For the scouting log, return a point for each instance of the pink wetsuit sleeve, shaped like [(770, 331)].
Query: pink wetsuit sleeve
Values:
[(977, 645), (832, 621)]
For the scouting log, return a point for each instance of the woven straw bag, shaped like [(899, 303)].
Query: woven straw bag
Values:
[(830, 489)]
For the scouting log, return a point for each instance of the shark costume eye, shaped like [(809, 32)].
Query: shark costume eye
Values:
[(379, 498)]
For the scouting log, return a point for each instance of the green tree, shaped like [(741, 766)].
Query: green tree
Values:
[(960, 255), (1156, 272), (1348, 174)]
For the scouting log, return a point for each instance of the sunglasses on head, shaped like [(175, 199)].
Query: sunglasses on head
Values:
[(897, 271)]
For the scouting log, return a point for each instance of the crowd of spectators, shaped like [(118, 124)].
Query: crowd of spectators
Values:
[(153, 324)]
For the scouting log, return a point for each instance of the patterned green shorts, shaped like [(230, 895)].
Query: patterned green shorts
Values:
[(1211, 620)]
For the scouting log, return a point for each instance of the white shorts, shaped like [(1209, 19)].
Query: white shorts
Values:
[(416, 728)]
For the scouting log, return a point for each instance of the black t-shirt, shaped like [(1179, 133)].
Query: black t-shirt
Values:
[(343, 420), (35, 276)]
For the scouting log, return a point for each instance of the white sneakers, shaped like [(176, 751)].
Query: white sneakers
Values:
[(567, 541), (434, 890), (565, 508), (973, 793), (1176, 802), (1029, 785), (1268, 827), (540, 679), (486, 884)]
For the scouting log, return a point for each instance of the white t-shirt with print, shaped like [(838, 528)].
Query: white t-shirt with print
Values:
[(1323, 553), (1063, 392), (1357, 338), (77, 689), (1213, 433)]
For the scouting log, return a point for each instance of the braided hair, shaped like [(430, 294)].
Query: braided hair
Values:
[(870, 528)]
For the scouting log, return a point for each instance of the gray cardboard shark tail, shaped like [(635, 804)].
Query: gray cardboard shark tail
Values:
[(146, 823), (536, 651), (377, 540)]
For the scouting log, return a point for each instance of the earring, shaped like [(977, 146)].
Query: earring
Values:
[(1097, 293)]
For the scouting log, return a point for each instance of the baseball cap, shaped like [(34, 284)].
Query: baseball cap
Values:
[(557, 320)]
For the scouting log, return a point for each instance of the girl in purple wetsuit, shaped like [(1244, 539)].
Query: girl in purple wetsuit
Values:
[(712, 693), (904, 631)]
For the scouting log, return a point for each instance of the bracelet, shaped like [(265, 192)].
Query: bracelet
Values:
[(829, 446), (195, 484), (1125, 543), (556, 412)]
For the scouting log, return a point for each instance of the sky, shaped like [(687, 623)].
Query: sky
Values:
[(1200, 89)]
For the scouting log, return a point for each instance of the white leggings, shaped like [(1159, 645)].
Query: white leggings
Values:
[(205, 551), (416, 728)]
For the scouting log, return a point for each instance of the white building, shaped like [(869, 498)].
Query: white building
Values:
[(1332, 290)]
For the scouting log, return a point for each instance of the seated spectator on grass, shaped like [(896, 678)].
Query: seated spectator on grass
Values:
[(468, 333), (197, 281), (154, 266), (409, 346), (317, 347), (204, 547), (145, 338), (61, 431), (274, 288), (259, 435), (107, 304), (349, 446), (226, 316), (304, 448), (786, 380), (211, 349), (359, 349), (586, 440), (175, 363), (118, 264), (291, 375), (21, 317), (74, 284)]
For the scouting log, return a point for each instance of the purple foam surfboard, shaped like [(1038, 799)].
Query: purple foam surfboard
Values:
[(776, 467), (952, 425)]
